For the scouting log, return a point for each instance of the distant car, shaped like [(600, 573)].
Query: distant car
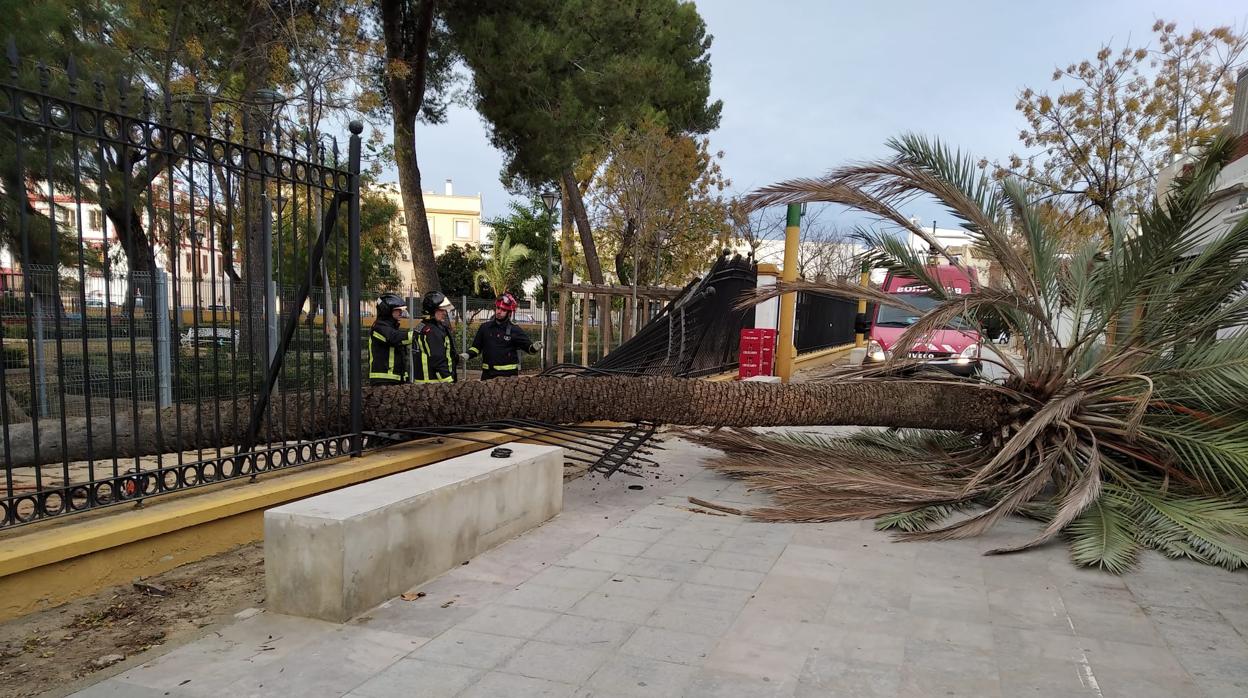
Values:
[(95, 302), (220, 337)]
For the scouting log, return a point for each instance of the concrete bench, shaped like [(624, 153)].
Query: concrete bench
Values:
[(339, 554)]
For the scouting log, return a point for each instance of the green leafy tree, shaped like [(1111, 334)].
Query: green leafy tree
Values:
[(1100, 139), (457, 270), (529, 225), (501, 268), (555, 78), (414, 71), (658, 204)]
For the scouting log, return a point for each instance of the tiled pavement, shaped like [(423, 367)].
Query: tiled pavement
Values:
[(631, 593)]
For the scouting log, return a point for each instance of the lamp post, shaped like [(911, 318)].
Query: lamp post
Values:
[(550, 199)]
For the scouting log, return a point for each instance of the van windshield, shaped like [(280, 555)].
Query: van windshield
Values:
[(897, 317)]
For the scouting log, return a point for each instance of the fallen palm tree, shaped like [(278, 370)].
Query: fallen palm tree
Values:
[(674, 401), (1133, 378)]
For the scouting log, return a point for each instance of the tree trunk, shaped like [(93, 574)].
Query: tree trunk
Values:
[(419, 239), (592, 263), (565, 274), (672, 401)]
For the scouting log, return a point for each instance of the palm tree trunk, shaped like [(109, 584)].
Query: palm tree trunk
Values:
[(672, 401)]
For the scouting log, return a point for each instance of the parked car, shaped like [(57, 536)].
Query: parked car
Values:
[(219, 336), (954, 348)]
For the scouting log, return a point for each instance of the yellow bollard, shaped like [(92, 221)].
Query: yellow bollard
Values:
[(860, 338), (785, 353)]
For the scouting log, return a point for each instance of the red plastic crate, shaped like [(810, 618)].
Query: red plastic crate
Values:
[(757, 352)]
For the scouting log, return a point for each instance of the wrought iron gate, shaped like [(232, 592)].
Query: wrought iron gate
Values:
[(170, 270)]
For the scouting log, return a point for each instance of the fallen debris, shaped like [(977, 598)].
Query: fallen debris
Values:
[(107, 660), (412, 595), (716, 507)]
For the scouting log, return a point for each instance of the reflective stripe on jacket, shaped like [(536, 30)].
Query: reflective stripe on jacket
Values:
[(388, 347), (435, 348), (499, 343)]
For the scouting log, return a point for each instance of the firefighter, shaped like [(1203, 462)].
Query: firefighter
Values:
[(435, 359), (389, 343), (499, 340)]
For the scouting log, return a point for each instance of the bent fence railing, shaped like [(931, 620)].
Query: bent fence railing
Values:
[(168, 270)]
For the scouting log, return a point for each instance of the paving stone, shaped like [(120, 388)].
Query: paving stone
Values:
[(953, 602), (590, 560), (466, 648), (693, 619), (694, 539), (509, 620), (625, 609), (643, 534), (1115, 626), (856, 616), (676, 553), (661, 569), (917, 682), (1022, 675), (863, 645), (823, 676), (1127, 683), (638, 587), (616, 546), (555, 662), (587, 632), (639, 676), (752, 546), (708, 596), (495, 684), (546, 598), (710, 683), (414, 677), (331, 665), (733, 579), (115, 688), (570, 578), (743, 656), (740, 561), (669, 645)]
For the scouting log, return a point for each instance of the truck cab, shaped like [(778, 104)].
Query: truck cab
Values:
[(954, 348)]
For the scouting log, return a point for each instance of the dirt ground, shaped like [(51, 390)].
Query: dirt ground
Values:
[(50, 649)]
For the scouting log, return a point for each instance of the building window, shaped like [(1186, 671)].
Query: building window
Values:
[(95, 219), (463, 230), (188, 260), (64, 217)]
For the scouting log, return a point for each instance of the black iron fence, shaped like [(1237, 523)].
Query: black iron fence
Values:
[(168, 268), (823, 321), (698, 333)]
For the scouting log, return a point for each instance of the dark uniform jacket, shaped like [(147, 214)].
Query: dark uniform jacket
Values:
[(388, 348), (498, 343), (436, 358)]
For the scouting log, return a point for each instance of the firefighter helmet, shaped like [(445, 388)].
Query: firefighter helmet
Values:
[(506, 302), (434, 301), (388, 302)]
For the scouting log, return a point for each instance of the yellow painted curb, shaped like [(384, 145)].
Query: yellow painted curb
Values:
[(48, 566)]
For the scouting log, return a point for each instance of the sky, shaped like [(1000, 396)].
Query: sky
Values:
[(808, 85)]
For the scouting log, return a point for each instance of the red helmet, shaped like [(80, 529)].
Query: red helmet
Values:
[(506, 302)]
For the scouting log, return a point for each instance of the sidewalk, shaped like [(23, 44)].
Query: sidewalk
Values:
[(630, 593)]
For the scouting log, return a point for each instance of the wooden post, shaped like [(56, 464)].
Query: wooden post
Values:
[(585, 329), (561, 333), (626, 327)]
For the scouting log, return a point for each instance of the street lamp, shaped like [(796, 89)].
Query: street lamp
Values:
[(550, 199)]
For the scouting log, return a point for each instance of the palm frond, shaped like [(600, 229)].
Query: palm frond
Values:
[(1102, 537)]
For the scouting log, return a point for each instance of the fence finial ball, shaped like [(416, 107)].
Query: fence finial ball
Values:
[(357, 127)]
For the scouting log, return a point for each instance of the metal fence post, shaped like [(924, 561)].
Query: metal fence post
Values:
[(463, 331), (344, 382), (41, 362), (164, 349), (353, 262)]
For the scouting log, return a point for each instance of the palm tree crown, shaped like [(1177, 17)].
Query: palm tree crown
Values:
[(1131, 426)]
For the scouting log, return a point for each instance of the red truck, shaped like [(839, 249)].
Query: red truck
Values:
[(954, 348)]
